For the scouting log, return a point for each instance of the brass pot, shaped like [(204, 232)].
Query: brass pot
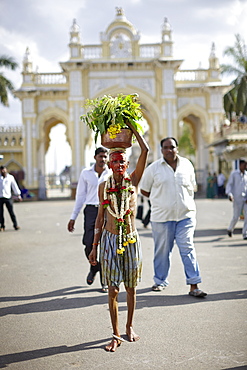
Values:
[(122, 140)]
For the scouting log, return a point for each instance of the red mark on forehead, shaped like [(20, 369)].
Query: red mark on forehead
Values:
[(117, 157)]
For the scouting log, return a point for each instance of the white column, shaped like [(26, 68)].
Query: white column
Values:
[(77, 133), (29, 166), (169, 118)]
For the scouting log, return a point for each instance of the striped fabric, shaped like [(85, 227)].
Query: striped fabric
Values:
[(118, 268)]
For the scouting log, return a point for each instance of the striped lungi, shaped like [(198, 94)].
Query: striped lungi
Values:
[(117, 268)]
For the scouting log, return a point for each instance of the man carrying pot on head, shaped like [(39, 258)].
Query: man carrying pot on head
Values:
[(117, 238), (87, 193)]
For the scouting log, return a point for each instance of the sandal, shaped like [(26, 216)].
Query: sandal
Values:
[(197, 293), (90, 278), (158, 288), (104, 289)]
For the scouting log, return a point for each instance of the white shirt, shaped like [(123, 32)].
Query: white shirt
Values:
[(237, 185), (220, 179), (87, 188), (171, 192), (6, 184)]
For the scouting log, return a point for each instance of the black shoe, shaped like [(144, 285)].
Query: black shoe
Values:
[(17, 227), (90, 278), (229, 233), (245, 237)]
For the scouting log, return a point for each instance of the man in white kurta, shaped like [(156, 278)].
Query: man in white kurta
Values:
[(236, 189), (7, 185), (170, 183)]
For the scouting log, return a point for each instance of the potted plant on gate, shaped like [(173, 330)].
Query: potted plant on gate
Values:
[(107, 117)]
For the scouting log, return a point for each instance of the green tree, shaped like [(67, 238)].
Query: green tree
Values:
[(236, 99), (6, 85), (186, 146)]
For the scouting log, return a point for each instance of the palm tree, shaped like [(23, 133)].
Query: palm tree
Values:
[(5, 84), (236, 99)]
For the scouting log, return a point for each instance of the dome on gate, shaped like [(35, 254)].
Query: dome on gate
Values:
[(120, 25)]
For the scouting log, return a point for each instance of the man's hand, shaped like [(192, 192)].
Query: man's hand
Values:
[(230, 197), (71, 226), (93, 257)]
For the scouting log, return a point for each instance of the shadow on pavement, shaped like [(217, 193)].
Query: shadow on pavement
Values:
[(214, 232), (55, 293), (45, 352), (153, 299)]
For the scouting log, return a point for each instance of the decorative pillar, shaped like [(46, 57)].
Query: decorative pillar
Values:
[(167, 43)]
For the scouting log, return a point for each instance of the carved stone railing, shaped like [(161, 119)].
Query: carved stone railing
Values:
[(146, 51), (50, 79), (150, 50), (92, 51), (11, 137), (10, 129), (191, 75), (233, 128)]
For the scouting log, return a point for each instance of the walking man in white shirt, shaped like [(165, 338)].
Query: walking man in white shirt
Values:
[(169, 183), (221, 182), (8, 184), (87, 194), (236, 189)]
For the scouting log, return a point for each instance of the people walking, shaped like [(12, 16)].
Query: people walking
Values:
[(169, 183), (7, 185), (87, 194), (236, 189)]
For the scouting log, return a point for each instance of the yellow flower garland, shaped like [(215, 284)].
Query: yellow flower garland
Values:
[(121, 215)]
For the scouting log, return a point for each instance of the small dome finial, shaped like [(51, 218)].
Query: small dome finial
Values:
[(74, 27), (166, 25), (120, 12), (212, 54)]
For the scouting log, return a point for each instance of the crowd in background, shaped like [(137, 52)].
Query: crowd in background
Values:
[(215, 185)]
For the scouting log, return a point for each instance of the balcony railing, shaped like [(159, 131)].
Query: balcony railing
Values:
[(150, 50), (92, 51), (11, 129), (191, 75), (50, 79), (234, 128)]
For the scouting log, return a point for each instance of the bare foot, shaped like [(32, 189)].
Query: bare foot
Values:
[(133, 337), (113, 345)]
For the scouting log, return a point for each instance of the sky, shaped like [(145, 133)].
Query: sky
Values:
[(44, 27)]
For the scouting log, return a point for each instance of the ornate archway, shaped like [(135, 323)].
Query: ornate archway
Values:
[(119, 64)]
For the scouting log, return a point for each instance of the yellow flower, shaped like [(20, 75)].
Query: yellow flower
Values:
[(125, 244), (113, 130), (120, 250), (132, 240)]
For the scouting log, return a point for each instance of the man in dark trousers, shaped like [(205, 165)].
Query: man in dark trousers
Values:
[(8, 184), (87, 194)]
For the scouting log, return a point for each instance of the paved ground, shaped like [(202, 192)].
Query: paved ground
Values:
[(51, 320)]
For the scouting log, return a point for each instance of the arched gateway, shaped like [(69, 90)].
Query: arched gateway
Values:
[(119, 64)]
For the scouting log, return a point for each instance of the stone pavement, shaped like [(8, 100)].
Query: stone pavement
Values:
[(51, 320)]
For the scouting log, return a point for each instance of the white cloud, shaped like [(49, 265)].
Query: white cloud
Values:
[(44, 27)]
